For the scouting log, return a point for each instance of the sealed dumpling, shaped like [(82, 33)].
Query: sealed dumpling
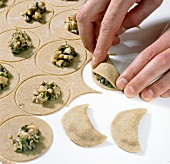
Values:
[(79, 129)]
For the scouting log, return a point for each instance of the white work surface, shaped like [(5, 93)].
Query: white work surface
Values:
[(154, 128)]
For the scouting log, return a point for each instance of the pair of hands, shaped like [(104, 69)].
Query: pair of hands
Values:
[(101, 22)]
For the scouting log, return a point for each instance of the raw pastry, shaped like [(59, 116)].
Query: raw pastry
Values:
[(58, 26), (15, 19), (24, 95), (43, 58), (7, 55), (79, 129), (10, 128), (105, 75), (124, 129)]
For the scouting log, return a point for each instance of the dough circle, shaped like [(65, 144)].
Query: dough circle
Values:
[(58, 27), (43, 58), (62, 3), (6, 54), (13, 81), (24, 95), (11, 127), (15, 19), (7, 5)]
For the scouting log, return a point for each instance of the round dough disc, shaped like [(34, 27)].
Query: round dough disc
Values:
[(13, 81), (6, 5), (24, 95), (7, 55), (43, 58), (15, 19), (63, 3), (12, 126), (58, 27)]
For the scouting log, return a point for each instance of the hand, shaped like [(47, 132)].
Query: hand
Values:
[(150, 64), (101, 21)]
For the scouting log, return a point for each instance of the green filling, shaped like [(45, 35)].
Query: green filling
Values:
[(64, 55), (103, 81), (4, 77), (20, 41)]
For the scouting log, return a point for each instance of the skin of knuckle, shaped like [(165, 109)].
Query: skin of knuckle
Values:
[(81, 16), (164, 60), (157, 2), (148, 55)]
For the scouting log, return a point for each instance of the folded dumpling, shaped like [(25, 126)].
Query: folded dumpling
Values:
[(105, 75)]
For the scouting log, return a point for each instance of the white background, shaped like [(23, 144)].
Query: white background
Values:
[(154, 128)]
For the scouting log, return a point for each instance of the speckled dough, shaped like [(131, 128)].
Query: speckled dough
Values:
[(43, 58), (7, 5), (12, 126), (24, 95), (62, 3), (79, 129), (124, 129), (7, 55), (108, 71), (58, 27), (13, 81), (15, 19)]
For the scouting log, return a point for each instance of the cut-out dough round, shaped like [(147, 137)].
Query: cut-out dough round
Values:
[(15, 19), (7, 55), (7, 5), (24, 95), (63, 3), (124, 129), (43, 58), (11, 127), (79, 129), (13, 81), (58, 27), (108, 71)]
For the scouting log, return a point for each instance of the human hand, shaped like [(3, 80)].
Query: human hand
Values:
[(101, 21), (150, 64)]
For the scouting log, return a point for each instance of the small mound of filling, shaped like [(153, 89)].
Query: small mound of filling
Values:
[(71, 24), (28, 136), (20, 41), (104, 81), (45, 92), (64, 55), (4, 77), (70, 0), (34, 12), (2, 3)]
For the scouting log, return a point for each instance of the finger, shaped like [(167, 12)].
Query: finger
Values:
[(166, 94), (139, 13), (156, 67), (116, 40), (158, 88), (91, 11), (143, 59), (111, 22)]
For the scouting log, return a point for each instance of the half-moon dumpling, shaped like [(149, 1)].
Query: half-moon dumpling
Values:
[(79, 129)]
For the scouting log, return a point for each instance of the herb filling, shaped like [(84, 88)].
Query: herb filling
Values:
[(2, 3), (103, 81), (4, 77), (71, 24), (45, 92), (28, 136), (34, 12), (64, 55), (20, 41)]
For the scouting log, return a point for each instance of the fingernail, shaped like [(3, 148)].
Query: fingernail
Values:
[(129, 92), (147, 95), (121, 83), (93, 62)]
